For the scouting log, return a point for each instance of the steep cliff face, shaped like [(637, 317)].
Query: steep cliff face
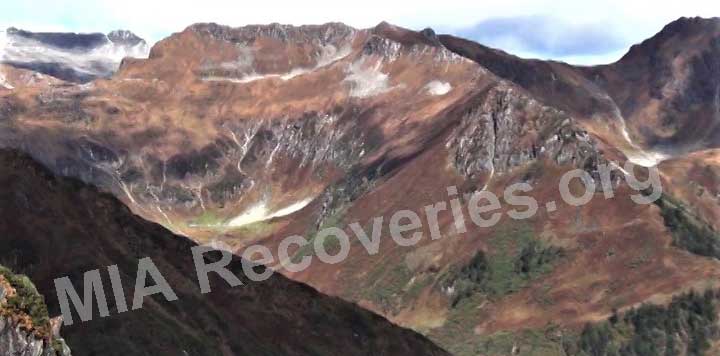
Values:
[(509, 130), (15, 341)]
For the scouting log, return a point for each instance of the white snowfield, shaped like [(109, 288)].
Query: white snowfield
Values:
[(438, 88), (3, 43), (646, 158), (100, 61), (367, 80), (640, 156), (635, 153), (3, 82), (260, 212)]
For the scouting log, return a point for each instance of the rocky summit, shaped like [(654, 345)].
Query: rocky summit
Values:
[(249, 135)]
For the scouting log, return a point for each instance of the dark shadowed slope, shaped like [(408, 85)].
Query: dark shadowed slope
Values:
[(52, 227)]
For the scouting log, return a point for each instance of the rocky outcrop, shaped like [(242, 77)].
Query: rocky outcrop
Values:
[(508, 129), (24, 327), (330, 33), (661, 96), (17, 342)]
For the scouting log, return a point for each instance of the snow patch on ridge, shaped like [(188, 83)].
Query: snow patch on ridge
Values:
[(3, 82), (367, 81), (636, 154), (329, 55), (252, 77), (642, 157), (3, 42), (260, 212), (438, 88)]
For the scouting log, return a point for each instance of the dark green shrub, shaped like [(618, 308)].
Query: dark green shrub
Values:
[(685, 327), (689, 232)]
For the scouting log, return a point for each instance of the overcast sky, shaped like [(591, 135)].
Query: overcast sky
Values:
[(582, 32)]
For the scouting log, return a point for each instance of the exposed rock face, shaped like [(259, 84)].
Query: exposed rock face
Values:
[(302, 48), (71, 57), (332, 33), (19, 335), (508, 130), (15, 341), (125, 38)]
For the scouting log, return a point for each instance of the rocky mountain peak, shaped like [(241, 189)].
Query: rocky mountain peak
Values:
[(690, 25), (406, 36), (682, 29), (61, 40), (125, 37)]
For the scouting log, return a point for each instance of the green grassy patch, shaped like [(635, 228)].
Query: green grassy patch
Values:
[(207, 219), (515, 258), (386, 287), (258, 228), (459, 338), (527, 343)]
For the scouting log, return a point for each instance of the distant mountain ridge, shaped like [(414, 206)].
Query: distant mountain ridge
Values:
[(72, 57)]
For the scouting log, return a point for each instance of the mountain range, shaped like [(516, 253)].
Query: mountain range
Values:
[(115, 151)]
